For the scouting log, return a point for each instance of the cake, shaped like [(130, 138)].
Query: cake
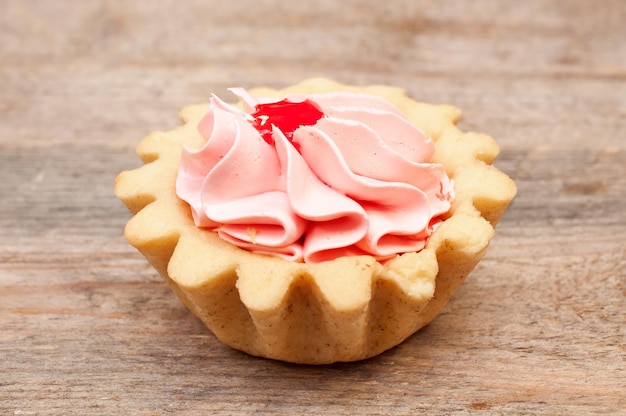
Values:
[(333, 266)]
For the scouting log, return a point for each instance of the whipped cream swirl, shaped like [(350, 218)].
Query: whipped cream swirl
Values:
[(355, 181)]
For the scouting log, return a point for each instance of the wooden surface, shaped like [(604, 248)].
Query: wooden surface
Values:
[(87, 327)]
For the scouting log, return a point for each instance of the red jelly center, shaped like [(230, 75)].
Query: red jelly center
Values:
[(286, 115)]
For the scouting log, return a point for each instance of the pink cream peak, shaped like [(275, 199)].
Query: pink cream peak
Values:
[(312, 178)]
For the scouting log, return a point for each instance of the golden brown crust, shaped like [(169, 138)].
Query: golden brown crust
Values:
[(345, 310)]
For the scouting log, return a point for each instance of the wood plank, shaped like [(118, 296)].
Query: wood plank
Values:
[(87, 327)]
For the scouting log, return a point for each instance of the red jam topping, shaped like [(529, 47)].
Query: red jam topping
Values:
[(285, 115)]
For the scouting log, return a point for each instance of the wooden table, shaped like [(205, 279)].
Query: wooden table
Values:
[(87, 327)]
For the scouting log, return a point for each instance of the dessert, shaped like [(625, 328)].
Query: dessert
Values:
[(315, 224)]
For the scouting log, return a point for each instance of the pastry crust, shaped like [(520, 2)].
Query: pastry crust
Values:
[(347, 309)]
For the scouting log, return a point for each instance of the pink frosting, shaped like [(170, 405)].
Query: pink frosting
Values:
[(356, 182)]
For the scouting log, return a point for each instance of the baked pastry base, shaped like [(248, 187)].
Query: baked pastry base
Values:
[(348, 309)]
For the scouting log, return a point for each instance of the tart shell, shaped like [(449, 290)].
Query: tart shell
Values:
[(347, 309)]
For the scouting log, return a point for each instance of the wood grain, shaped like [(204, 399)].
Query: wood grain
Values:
[(87, 327)]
